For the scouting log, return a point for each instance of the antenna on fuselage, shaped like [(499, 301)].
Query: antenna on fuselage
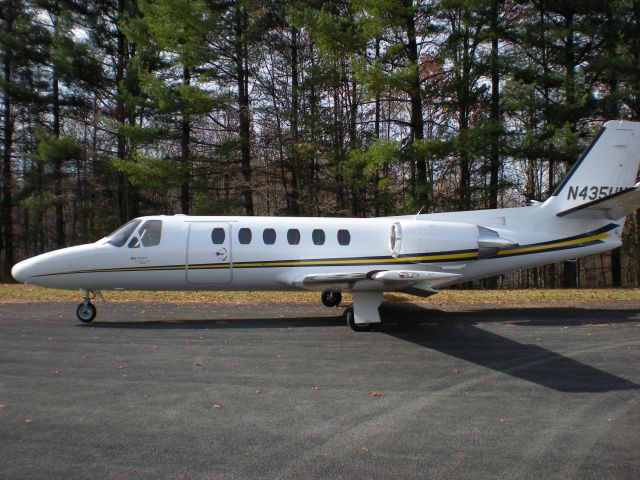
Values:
[(419, 212)]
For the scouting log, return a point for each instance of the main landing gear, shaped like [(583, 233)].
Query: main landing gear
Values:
[(86, 311), (363, 314), (350, 318), (331, 298)]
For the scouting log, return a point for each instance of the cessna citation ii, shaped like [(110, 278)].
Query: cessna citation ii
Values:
[(413, 254)]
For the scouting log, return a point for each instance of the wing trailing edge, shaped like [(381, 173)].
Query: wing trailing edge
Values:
[(410, 281)]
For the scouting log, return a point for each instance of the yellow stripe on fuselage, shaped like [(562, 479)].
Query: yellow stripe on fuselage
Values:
[(356, 261), (566, 243)]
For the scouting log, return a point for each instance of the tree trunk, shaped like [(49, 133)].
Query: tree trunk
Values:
[(295, 140), (417, 122), (463, 112), (496, 120), (127, 195), (185, 143), (6, 210), (57, 165), (616, 267), (244, 131)]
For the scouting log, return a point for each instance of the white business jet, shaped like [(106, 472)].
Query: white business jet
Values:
[(412, 254)]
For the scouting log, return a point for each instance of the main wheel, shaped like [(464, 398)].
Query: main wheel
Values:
[(350, 317), (331, 298), (86, 312)]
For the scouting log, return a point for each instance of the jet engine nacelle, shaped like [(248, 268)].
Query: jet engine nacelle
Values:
[(410, 237), (420, 236)]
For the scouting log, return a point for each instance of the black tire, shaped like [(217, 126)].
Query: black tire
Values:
[(350, 317), (331, 298), (86, 313)]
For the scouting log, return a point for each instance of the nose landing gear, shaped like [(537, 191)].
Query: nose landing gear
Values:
[(86, 311)]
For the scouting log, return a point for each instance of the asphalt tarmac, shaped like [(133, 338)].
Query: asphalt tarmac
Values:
[(162, 391)]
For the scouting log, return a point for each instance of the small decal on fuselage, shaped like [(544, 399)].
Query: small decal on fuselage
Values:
[(140, 260), (591, 192), (222, 254)]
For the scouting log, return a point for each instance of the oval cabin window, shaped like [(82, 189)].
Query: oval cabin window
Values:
[(217, 236), (293, 236), (244, 236), (318, 237), (269, 236), (344, 237)]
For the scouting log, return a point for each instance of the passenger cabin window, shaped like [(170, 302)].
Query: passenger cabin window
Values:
[(120, 236), (318, 237), (148, 235), (293, 236), (244, 236), (269, 236), (218, 236), (344, 237)]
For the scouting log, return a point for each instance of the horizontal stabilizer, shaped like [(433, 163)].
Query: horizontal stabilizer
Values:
[(612, 207)]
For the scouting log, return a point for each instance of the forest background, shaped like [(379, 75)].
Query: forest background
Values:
[(113, 109)]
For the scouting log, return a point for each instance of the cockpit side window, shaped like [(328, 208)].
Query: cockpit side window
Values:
[(148, 235), (119, 237)]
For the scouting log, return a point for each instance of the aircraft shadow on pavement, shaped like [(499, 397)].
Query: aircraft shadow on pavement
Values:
[(220, 323), (457, 334)]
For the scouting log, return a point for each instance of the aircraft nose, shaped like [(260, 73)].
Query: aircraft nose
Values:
[(21, 271)]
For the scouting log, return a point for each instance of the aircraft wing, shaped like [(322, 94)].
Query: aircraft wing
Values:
[(612, 207), (410, 281)]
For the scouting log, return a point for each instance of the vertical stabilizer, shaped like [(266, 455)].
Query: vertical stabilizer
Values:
[(608, 166)]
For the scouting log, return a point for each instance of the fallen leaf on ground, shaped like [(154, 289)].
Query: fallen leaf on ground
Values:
[(456, 371), (259, 391), (364, 450), (376, 394)]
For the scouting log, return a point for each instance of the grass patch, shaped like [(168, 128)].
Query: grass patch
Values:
[(13, 293)]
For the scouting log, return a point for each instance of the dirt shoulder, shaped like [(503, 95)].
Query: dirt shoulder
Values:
[(454, 299)]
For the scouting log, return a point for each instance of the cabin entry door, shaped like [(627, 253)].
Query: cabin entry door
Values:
[(209, 253)]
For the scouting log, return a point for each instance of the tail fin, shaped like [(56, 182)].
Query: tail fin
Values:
[(608, 166)]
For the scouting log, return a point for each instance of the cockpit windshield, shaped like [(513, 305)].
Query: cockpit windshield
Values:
[(119, 237)]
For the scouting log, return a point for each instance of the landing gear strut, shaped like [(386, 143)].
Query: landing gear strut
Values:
[(86, 311), (331, 298), (350, 318)]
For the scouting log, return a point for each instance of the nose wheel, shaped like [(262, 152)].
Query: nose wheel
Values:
[(86, 311)]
